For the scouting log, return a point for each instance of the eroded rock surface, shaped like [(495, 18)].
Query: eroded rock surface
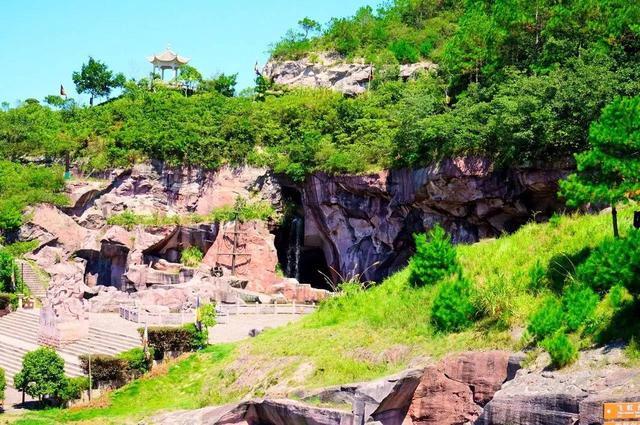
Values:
[(258, 412), (574, 395), (365, 223), (330, 70)]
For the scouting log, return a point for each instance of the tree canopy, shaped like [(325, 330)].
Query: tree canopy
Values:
[(609, 172), (96, 79)]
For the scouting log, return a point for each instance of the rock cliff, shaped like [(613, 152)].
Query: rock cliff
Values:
[(365, 223), (350, 224)]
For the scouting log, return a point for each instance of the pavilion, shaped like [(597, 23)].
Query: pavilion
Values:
[(167, 60)]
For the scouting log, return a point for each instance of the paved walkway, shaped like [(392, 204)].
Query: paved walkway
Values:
[(237, 327)]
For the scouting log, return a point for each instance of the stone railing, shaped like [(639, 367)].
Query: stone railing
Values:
[(133, 314), (233, 309)]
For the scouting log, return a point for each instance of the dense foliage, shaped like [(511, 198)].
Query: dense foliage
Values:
[(22, 185), (610, 171), (42, 376), (453, 309), (435, 257), (173, 341), (516, 82)]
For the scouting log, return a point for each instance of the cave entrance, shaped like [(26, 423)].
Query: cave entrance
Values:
[(170, 248), (298, 258), (107, 266)]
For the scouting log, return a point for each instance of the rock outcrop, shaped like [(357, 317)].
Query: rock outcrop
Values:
[(574, 395), (330, 70), (258, 412), (365, 223)]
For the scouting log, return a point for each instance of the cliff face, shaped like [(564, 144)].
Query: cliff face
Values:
[(359, 224), (333, 72), (365, 223)]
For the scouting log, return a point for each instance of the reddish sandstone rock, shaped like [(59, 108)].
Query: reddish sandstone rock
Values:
[(258, 259), (484, 372), (439, 400)]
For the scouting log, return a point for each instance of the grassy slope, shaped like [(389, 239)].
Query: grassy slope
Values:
[(359, 336)]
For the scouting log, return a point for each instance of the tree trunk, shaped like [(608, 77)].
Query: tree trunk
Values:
[(614, 219), (91, 101)]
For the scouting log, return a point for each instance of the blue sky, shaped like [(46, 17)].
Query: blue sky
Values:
[(44, 41)]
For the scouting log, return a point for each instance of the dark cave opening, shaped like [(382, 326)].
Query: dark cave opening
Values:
[(170, 248), (305, 263)]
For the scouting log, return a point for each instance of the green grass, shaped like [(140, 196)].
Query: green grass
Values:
[(363, 334)]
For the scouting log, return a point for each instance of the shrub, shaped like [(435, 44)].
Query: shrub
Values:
[(537, 275), (73, 389), (175, 340), (8, 301), (562, 351), (3, 384), (42, 374), (191, 256), (547, 320), (452, 308), (405, 51), (435, 257), (137, 362), (106, 370), (614, 261), (207, 315), (199, 337), (579, 303), (7, 271)]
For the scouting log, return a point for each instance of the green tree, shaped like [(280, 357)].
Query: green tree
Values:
[(221, 83), (42, 374), (453, 309), (610, 171), (308, 25), (190, 77), (96, 79), (435, 257), (7, 271)]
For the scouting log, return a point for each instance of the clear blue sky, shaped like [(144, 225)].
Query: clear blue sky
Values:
[(44, 41)]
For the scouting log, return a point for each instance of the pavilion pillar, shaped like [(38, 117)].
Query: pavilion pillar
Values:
[(162, 74)]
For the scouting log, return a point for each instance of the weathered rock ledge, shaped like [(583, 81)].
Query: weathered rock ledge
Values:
[(480, 388), (332, 71)]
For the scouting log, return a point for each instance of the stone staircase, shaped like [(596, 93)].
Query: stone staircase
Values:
[(19, 335), (32, 280)]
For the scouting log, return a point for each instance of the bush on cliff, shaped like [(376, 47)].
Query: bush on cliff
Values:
[(435, 257)]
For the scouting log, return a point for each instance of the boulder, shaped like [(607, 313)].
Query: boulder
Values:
[(439, 400)]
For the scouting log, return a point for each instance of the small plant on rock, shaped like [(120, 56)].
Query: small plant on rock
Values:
[(435, 257), (562, 351), (191, 257)]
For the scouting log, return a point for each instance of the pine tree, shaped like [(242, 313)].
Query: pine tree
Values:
[(610, 171)]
